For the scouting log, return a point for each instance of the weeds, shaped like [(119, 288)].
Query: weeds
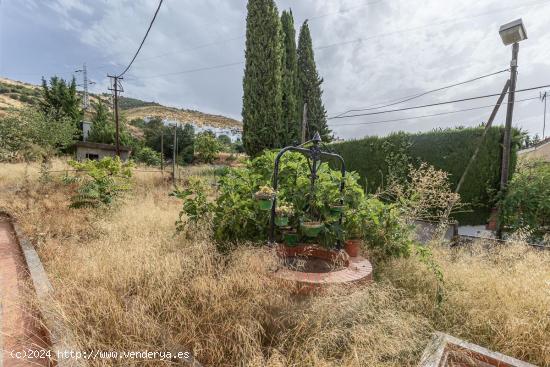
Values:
[(127, 282)]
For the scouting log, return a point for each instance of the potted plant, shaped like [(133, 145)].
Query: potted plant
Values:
[(354, 227), (283, 213), (265, 196), (336, 208), (311, 228), (290, 237)]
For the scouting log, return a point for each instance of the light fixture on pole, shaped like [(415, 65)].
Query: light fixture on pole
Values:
[(511, 34)]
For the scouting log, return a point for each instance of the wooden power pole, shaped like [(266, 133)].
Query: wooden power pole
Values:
[(174, 154), (304, 124), (116, 88), (507, 146), (162, 149)]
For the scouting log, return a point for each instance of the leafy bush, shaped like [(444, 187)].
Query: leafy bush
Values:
[(527, 201), (148, 156), (207, 147), (196, 207), (381, 161), (32, 134), (105, 180)]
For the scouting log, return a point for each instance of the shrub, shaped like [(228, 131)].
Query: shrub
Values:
[(32, 134), (527, 201), (196, 207), (105, 180), (207, 147), (381, 161), (148, 156)]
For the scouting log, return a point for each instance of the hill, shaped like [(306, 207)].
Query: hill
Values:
[(15, 94)]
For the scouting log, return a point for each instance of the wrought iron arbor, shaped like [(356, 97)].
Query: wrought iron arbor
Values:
[(314, 155)]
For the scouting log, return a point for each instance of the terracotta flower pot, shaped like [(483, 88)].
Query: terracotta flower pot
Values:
[(352, 247)]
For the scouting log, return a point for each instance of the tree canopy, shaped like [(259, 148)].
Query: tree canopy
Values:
[(262, 108), (310, 87)]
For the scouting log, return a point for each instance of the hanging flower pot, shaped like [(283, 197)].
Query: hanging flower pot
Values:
[(352, 247), (281, 221), (283, 212), (336, 209), (265, 197), (290, 238), (265, 204), (312, 229)]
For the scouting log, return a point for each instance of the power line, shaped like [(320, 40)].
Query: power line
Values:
[(429, 115), (415, 96), (436, 104), (143, 40), (189, 71), (242, 36)]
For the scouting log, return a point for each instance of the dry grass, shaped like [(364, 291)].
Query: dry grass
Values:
[(125, 281)]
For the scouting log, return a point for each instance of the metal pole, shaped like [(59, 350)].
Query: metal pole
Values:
[(86, 98), (507, 143), (304, 123)]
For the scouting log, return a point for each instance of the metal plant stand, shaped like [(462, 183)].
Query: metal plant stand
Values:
[(314, 155)]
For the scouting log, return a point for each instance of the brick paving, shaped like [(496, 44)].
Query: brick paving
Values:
[(357, 269), (20, 329)]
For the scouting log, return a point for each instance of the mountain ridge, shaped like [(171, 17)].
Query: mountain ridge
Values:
[(17, 94)]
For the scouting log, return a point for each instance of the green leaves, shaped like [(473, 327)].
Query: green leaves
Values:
[(104, 180), (196, 206), (262, 82), (527, 201), (207, 147)]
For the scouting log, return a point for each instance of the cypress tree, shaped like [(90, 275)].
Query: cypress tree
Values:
[(262, 107), (310, 87), (291, 120)]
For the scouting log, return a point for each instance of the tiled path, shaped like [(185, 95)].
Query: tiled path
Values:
[(19, 329)]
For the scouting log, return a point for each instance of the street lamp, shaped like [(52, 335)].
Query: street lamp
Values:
[(511, 34)]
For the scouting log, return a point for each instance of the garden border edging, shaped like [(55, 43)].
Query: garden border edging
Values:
[(44, 292)]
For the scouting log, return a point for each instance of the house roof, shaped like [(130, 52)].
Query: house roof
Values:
[(89, 144)]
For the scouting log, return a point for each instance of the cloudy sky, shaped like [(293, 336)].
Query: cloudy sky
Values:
[(368, 52)]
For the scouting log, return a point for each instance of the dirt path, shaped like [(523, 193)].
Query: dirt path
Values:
[(20, 330)]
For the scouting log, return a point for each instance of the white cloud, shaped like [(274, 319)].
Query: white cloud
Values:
[(407, 47)]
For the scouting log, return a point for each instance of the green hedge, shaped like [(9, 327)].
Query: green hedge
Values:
[(375, 158)]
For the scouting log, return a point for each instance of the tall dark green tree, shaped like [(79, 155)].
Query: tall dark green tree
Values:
[(310, 87), (291, 120), (60, 99), (262, 92)]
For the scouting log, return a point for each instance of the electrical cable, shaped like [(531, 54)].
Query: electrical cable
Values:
[(143, 40), (437, 104), (414, 96), (430, 115)]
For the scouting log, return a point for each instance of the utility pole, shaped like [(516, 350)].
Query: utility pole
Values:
[(174, 155), (162, 149), (84, 85), (544, 98), (507, 146), (116, 88), (304, 123)]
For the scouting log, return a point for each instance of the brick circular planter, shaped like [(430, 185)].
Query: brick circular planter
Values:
[(347, 269)]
